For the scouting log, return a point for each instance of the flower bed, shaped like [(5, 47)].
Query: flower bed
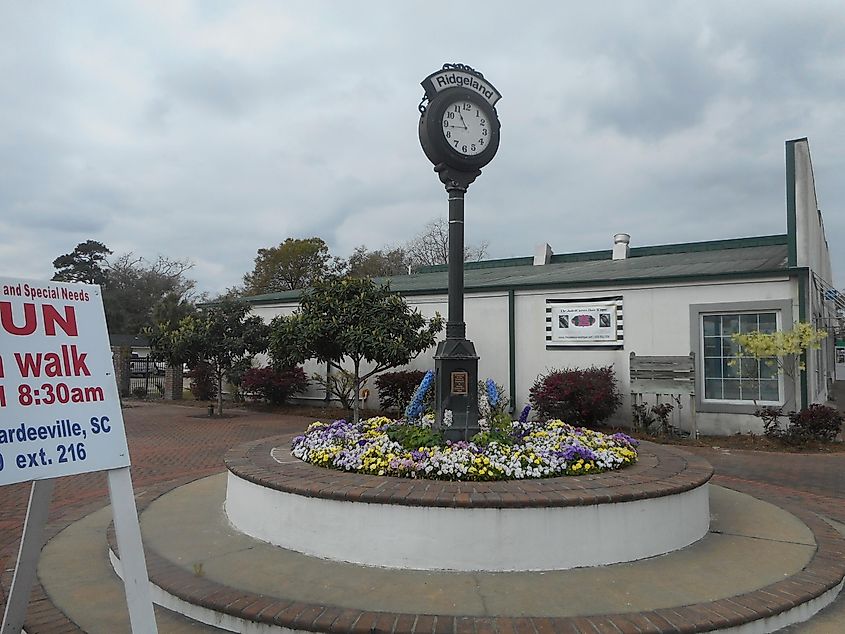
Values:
[(528, 450)]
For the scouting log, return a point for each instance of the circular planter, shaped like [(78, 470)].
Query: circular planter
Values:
[(658, 505)]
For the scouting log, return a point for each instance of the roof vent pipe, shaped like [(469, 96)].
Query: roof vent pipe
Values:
[(620, 246), (542, 254)]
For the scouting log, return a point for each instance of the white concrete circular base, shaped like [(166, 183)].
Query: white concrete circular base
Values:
[(466, 538)]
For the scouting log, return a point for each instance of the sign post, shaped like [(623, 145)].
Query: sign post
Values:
[(60, 415)]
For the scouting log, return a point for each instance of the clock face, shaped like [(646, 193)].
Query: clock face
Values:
[(466, 128)]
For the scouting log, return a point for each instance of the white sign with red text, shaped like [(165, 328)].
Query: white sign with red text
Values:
[(59, 407)]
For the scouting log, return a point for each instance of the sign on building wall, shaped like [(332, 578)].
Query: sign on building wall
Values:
[(584, 322), (59, 408)]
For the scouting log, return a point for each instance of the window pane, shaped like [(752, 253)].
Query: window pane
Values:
[(712, 346), (727, 377), (750, 390), (713, 389), (730, 324), (748, 368), (768, 369), (768, 322), (731, 389), (712, 368), (769, 390), (747, 323), (729, 348), (712, 325)]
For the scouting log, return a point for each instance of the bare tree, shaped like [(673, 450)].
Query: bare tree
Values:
[(135, 288), (383, 262), (431, 246)]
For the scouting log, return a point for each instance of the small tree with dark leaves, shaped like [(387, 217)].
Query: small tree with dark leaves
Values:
[(342, 318), (222, 335)]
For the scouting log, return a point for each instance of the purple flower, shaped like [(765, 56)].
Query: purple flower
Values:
[(523, 417), (625, 438), (576, 452)]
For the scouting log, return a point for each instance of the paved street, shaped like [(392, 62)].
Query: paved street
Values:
[(173, 444)]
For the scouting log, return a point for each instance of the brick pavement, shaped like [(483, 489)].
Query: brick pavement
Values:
[(168, 444), (173, 444)]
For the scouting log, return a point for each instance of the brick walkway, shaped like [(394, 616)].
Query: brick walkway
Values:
[(172, 444), (168, 444)]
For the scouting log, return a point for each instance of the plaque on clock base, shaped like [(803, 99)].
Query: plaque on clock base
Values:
[(456, 387)]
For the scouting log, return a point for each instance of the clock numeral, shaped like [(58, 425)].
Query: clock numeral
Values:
[(457, 107), (483, 122), (480, 141), (448, 134), (467, 106), (445, 124), (472, 147), (456, 143), (464, 148), (484, 132)]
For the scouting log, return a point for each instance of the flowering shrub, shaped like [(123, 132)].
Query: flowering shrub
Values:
[(275, 386), (540, 450), (396, 389), (584, 396), (781, 349)]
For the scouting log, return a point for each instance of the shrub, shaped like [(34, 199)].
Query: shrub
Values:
[(815, 423), (339, 385), (412, 436), (275, 386), (139, 392), (645, 416), (202, 382), (396, 389), (576, 396)]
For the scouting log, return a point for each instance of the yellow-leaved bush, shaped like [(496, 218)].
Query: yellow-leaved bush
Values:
[(782, 348)]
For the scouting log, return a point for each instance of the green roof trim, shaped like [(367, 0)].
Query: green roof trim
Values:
[(634, 281), (763, 256), (635, 252)]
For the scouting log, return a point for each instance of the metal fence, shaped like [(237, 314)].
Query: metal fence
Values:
[(146, 377)]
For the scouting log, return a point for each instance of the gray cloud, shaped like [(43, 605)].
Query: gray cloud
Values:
[(209, 131)]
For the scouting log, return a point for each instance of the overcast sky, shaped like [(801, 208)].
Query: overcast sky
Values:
[(207, 130)]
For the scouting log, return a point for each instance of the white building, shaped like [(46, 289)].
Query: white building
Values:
[(529, 315)]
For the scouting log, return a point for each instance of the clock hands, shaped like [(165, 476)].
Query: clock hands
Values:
[(462, 127)]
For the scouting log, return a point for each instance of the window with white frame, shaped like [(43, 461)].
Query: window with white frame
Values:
[(727, 378)]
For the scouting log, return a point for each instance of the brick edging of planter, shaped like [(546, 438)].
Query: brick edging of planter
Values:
[(660, 471)]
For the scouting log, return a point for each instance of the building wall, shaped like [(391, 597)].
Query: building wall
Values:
[(656, 321), (812, 253)]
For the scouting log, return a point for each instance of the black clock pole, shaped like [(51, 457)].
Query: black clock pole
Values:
[(459, 133), (455, 360)]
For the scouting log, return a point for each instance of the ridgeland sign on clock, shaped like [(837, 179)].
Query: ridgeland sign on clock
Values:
[(459, 133), (459, 126)]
